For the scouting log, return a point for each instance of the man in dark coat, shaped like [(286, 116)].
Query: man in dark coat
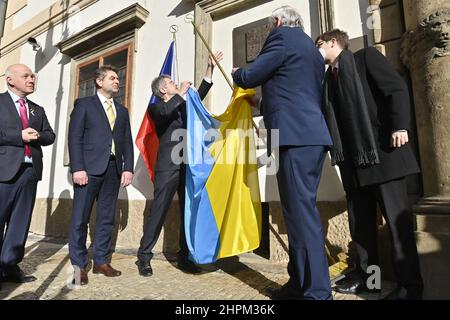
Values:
[(366, 105), (101, 161), (169, 115), (290, 70), (24, 128)]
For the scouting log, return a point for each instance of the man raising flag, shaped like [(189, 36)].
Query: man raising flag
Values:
[(147, 139), (168, 115)]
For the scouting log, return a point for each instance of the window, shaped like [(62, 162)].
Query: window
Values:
[(119, 58)]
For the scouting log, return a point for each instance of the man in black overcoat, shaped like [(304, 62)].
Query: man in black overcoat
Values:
[(367, 109)]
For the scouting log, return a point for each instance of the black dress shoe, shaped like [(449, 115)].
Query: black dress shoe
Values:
[(285, 292), (355, 286), (18, 277), (145, 269), (188, 266)]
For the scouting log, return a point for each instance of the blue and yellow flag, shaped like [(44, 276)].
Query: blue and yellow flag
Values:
[(222, 208)]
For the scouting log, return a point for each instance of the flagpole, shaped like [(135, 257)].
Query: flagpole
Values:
[(174, 29), (189, 18)]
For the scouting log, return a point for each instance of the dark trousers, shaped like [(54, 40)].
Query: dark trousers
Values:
[(298, 180), (17, 199), (104, 189), (166, 184), (392, 198)]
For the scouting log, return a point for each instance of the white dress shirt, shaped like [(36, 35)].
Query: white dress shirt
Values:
[(104, 100)]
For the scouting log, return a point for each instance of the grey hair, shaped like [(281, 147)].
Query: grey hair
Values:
[(157, 83), (288, 16)]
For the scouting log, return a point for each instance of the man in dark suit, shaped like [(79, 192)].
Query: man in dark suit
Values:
[(169, 115), (24, 128), (101, 160), (290, 70), (367, 108)]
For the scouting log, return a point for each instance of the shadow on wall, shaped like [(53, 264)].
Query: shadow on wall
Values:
[(184, 7), (142, 182), (433, 244), (122, 214), (58, 221), (53, 224), (141, 179)]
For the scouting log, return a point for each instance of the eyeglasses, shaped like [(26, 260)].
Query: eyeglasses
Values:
[(320, 43)]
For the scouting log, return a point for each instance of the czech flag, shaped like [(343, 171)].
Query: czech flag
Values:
[(147, 140), (222, 206)]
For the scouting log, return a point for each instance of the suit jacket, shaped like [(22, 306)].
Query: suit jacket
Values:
[(90, 137), (290, 70), (12, 148), (168, 117), (389, 107)]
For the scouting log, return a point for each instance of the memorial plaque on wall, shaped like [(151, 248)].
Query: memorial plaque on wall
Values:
[(254, 41), (248, 41)]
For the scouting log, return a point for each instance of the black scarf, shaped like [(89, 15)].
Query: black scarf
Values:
[(349, 121)]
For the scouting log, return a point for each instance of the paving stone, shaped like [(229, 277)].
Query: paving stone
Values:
[(243, 278)]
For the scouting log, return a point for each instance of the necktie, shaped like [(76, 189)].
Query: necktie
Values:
[(24, 118), (335, 73), (112, 120)]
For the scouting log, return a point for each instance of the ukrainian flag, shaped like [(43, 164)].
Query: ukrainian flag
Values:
[(222, 206)]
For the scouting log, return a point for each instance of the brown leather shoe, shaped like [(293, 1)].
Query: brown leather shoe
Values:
[(107, 270), (82, 279)]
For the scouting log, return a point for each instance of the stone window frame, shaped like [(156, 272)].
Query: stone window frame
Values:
[(100, 57)]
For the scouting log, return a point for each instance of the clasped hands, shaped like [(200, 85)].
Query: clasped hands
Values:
[(29, 135)]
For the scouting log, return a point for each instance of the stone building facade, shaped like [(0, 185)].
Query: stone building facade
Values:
[(76, 35)]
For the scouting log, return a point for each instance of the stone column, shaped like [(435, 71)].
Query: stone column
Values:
[(426, 53)]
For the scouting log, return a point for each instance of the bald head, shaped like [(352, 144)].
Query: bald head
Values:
[(20, 79)]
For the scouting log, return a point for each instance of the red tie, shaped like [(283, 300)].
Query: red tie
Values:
[(24, 118), (335, 73)]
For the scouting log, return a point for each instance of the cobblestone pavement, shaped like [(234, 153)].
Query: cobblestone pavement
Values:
[(243, 278)]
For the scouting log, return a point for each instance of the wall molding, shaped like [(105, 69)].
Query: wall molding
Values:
[(41, 23), (117, 25)]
